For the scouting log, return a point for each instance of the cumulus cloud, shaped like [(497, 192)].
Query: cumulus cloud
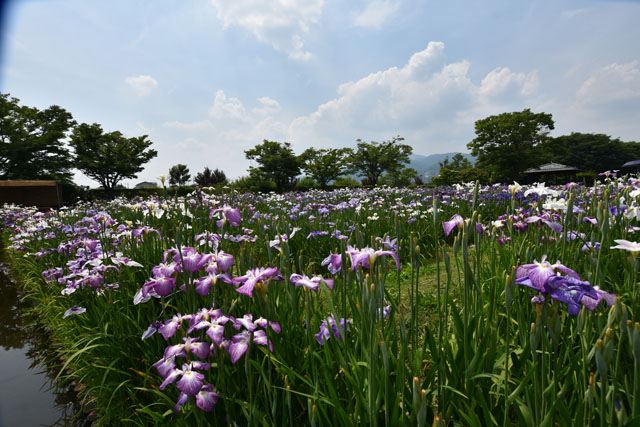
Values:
[(376, 14), (220, 139), (279, 23), (429, 101), (142, 85), (613, 83)]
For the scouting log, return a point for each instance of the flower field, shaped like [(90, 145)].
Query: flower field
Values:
[(466, 305)]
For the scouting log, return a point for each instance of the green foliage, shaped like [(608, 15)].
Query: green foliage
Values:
[(590, 152), (108, 158), (505, 144), (32, 141), (208, 178), (372, 159), (345, 182), (306, 183), (459, 170), (405, 178), (325, 165), (276, 163), (179, 175)]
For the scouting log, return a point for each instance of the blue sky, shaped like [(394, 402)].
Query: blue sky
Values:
[(208, 79)]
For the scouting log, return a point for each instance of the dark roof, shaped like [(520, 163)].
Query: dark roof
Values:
[(551, 168), (146, 184)]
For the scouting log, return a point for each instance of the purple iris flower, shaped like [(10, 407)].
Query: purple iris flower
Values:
[(74, 310), (162, 286), (194, 261), (455, 221), (206, 398), (333, 263), (539, 272), (230, 214), (203, 284), (366, 257), (191, 345), (240, 343), (312, 283), (328, 325), (214, 328), (253, 277), (190, 382), (571, 291)]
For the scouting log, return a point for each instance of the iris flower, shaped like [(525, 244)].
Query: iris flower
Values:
[(539, 272), (312, 283), (367, 256), (333, 263), (255, 276), (455, 221)]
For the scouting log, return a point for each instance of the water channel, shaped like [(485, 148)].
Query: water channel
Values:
[(28, 396)]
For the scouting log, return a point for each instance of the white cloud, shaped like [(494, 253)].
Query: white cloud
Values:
[(376, 14), (279, 23), (142, 85), (267, 106), (613, 83), (224, 107), (428, 101)]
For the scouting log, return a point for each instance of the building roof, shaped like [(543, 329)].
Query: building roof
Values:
[(146, 184), (551, 168)]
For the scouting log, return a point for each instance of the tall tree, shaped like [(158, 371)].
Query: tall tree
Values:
[(32, 141), (108, 158), (276, 162), (590, 152), (325, 165), (207, 177), (179, 174), (372, 159), (505, 144)]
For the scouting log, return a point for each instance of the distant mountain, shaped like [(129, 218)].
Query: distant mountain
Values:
[(429, 166)]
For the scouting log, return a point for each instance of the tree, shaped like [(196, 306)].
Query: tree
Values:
[(32, 141), (372, 159), (108, 158), (505, 144), (590, 152), (458, 162), (208, 178), (179, 175), (325, 165), (404, 178), (276, 163)]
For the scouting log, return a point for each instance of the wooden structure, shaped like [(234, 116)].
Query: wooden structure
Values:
[(42, 194), (552, 173)]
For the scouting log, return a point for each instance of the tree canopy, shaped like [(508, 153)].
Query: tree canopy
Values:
[(207, 177), (325, 165), (108, 158), (504, 144), (179, 175), (372, 159), (590, 152), (276, 162), (32, 141)]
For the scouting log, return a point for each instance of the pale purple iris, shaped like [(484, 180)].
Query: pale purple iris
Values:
[(333, 263), (194, 261), (190, 382), (254, 277), (448, 226), (162, 286), (311, 284), (330, 325), (74, 310), (204, 284), (367, 256), (240, 343), (230, 214), (539, 272)]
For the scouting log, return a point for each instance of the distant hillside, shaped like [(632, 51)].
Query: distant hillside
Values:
[(429, 166)]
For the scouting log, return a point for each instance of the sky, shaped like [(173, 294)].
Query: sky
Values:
[(208, 79)]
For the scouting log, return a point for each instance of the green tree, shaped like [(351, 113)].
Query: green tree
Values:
[(276, 163), (108, 158), (404, 178), (32, 141), (372, 159), (208, 178), (179, 175), (325, 165), (590, 152), (505, 144)]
